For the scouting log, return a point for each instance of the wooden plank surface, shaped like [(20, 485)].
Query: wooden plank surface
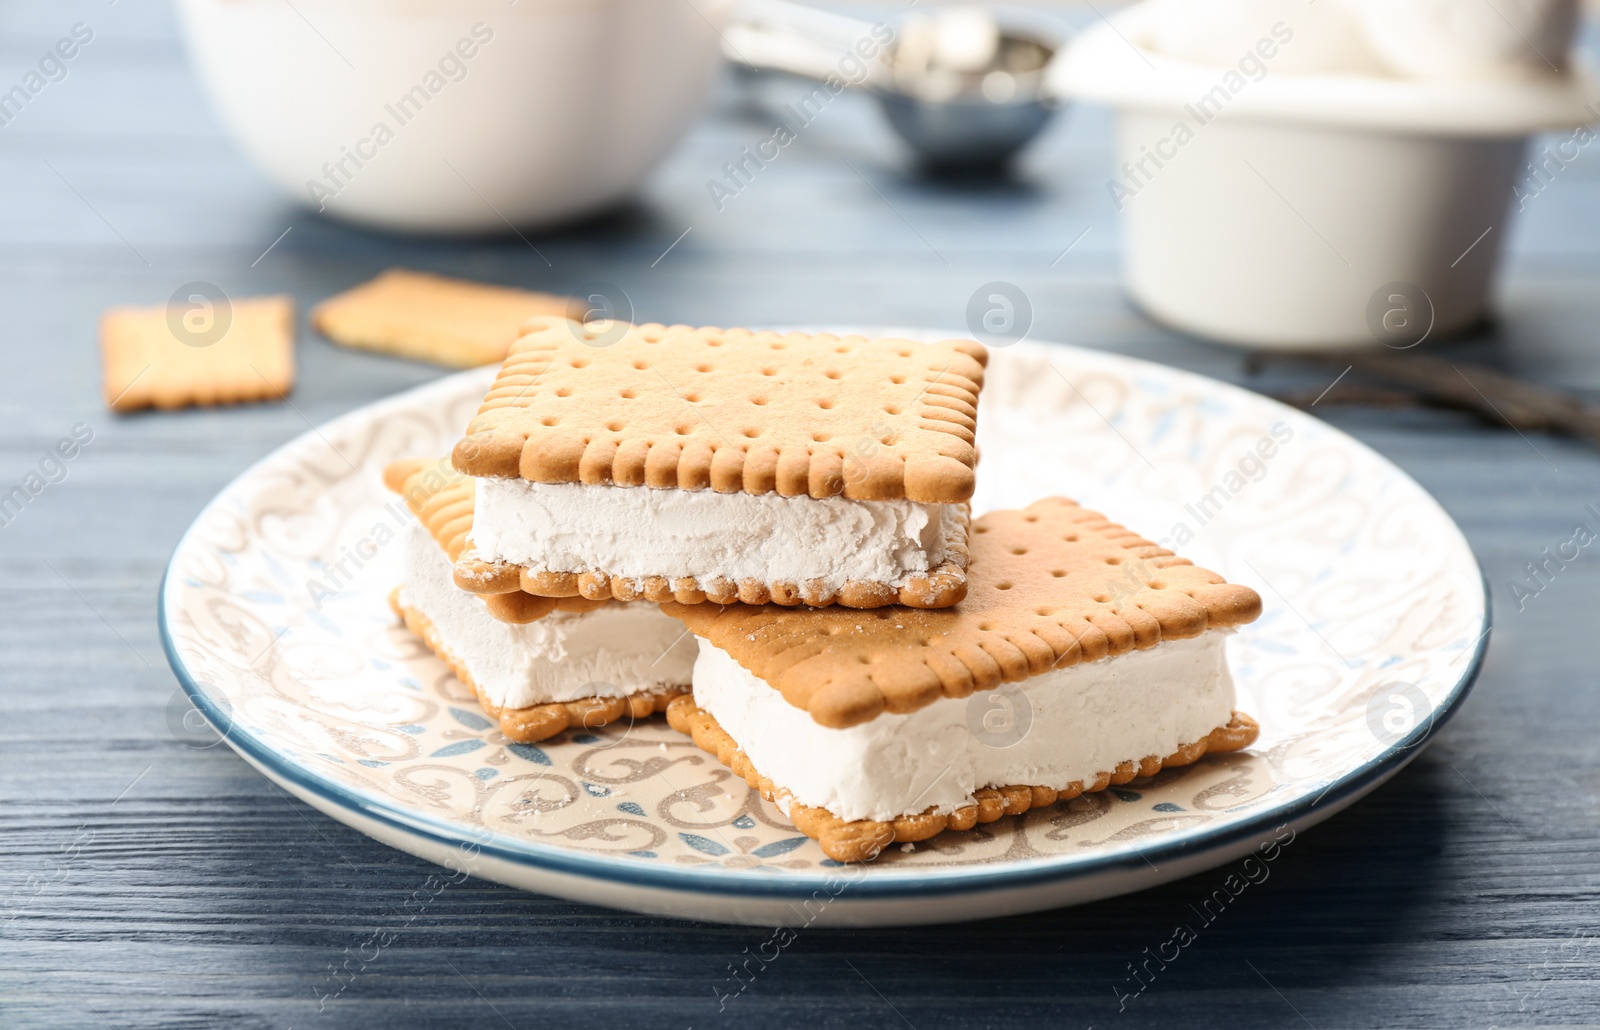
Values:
[(144, 883)]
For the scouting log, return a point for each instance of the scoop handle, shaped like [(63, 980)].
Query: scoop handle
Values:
[(777, 35)]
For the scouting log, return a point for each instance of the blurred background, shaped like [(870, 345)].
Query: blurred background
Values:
[(633, 135)]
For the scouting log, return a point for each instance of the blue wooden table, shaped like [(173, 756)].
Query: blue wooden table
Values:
[(147, 883)]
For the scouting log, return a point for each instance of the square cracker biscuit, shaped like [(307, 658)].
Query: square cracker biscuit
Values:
[(732, 410), (1048, 587), (432, 318), (441, 499), (150, 359)]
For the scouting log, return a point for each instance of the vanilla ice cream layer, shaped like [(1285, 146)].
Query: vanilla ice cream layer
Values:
[(1052, 730), (1449, 39), (636, 531), (612, 651), (1460, 40), (1303, 38)]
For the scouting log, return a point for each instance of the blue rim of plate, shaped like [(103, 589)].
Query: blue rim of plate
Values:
[(786, 886)]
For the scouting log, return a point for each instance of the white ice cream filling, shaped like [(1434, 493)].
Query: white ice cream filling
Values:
[(612, 651), (1064, 726), (636, 532), (1421, 39)]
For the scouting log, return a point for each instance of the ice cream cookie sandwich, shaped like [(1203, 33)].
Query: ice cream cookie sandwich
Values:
[(1082, 656), (694, 465)]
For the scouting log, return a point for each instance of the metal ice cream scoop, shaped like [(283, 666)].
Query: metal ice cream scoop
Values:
[(963, 89)]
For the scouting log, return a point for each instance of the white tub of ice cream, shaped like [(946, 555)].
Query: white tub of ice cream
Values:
[(1326, 195)]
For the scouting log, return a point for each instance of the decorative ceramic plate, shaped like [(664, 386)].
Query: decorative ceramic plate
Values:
[(274, 617)]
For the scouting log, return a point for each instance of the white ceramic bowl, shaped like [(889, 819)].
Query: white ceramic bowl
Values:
[(456, 116), (1289, 211)]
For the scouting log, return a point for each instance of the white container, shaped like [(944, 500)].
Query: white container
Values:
[(1448, 39), (1310, 210), (528, 113)]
